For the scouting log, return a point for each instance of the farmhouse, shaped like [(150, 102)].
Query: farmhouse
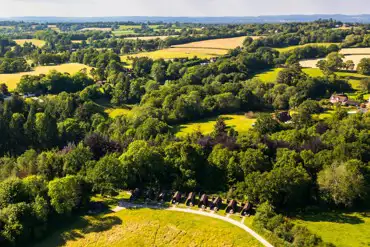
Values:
[(339, 98)]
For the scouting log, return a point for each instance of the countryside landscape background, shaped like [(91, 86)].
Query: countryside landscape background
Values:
[(212, 128)]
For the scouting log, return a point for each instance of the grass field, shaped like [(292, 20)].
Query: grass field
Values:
[(353, 77), (13, 79), (271, 75), (148, 37), (171, 53), (147, 227), (239, 122), (341, 229), (227, 43), (289, 48), (115, 112), (36, 42)]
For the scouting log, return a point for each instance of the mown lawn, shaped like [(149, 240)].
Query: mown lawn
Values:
[(13, 79), (148, 227), (239, 122), (340, 228), (36, 42)]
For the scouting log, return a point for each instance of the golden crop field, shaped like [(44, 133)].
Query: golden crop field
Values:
[(355, 51), (36, 42), (104, 29), (311, 63), (11, 80), (171, 53), (227, 43)]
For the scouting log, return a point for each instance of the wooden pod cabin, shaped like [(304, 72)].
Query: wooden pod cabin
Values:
[(216, 203), (203, 202), (190, 199), (176, 197), (231, 207), (246, 209)]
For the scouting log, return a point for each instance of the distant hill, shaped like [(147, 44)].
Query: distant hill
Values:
[(205, 20)]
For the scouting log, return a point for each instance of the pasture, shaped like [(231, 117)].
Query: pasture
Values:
[(239, 122), (116, 112), (11, 80), (271, 75), (355, 51), (226, 43), (149, 227), (171, 53), (148, 37), (289, 48), (339, 228), (36, 42)]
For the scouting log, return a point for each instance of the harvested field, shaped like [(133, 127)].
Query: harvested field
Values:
[(227, 43), (355, 51), (171, 53), (104, 29), (311, 63), (36, 42), (13, 79)]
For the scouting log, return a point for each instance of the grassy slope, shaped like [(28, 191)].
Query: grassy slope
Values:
[(271, 75), (13, 79), (239, 122), (115, 112), (147, 227), (341, 229), (289, 48)]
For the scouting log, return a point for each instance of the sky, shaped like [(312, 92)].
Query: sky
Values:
[(92, 8)]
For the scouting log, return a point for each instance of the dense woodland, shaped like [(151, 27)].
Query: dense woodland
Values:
[(59, 149)]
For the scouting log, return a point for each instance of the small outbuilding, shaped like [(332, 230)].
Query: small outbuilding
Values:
[(190, 199), (203, 202), (176, 198), (216, 203), (247, 208), (135, 194), (231, 207)]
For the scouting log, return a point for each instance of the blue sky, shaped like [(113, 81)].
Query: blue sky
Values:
[(180, 7)]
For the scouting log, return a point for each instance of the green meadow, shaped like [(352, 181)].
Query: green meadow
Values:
[(239, 122), (149, 227), (339, 228)]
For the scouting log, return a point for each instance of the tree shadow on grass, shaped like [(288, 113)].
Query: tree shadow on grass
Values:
[(79, 228), (337, 217)]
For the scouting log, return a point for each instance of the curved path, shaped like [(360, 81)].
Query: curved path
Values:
[(263, 241), (231, 221)]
